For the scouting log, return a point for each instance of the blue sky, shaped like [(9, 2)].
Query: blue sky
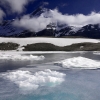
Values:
[(64, 6), (76, 13)]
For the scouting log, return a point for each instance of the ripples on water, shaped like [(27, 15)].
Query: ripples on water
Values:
[(66, 76)]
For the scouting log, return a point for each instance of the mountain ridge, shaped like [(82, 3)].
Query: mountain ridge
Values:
[(7, 29)]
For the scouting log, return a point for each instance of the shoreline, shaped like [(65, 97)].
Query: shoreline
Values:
[(44, 52), (49, 44), (55, 41)]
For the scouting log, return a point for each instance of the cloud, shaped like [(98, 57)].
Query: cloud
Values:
[(32, 24), (77, 19), (39, 23), (15, 5), (45, 3), (2, 14), (63, 4)]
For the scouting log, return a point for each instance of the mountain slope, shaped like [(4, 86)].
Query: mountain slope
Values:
[(7, 29), (55, 29)]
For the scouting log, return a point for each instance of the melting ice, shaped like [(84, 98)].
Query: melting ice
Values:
[(27, 80), (20, 57), (79, 62)]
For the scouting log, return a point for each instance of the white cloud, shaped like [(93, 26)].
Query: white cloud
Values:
[(76, 20), (33, 24), (15, 5), (2, 14), (63, 4), (39, 23), (45, 3)]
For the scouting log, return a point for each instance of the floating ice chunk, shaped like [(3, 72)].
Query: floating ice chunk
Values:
[(96, 53), (27, 80), (79, 62), (20, 57)]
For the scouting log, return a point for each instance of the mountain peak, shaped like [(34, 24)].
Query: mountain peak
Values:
[(37, 12)]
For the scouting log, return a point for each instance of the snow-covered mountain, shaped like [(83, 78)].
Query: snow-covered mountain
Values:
[(37, 12), (7, 29)]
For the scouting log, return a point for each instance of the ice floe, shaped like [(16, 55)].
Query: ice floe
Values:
[(27, 80), (20, 57), (79, 62), (96, 53)]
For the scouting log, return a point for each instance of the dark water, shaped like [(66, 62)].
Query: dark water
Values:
[(77, 84)]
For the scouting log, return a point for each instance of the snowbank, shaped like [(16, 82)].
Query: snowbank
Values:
[(55, 41)]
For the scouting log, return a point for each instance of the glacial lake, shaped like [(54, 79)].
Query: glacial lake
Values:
[(50, 76)]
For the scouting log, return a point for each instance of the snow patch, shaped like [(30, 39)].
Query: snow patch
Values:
[(75, 29), (79, 62), (92, 26)]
